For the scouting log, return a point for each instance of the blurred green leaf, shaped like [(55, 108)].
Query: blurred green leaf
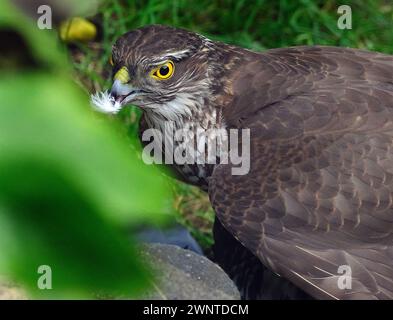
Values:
[(68, 181), (47, 116), (49, 221), (65, 180)]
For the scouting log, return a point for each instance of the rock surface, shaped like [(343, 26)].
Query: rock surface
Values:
[(182, 274)]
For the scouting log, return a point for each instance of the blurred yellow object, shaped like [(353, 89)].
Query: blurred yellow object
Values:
[(77, 30)]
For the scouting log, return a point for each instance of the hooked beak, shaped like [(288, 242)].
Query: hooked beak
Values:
[(124, 93)]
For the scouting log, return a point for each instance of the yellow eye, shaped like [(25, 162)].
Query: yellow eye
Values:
[(163, 72)]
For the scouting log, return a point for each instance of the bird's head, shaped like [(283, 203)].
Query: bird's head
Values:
[(161, 69)]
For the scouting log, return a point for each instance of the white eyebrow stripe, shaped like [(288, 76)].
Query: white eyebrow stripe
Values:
[(168, 55)]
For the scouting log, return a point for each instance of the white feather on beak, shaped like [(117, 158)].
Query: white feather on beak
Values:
[(105, 102)]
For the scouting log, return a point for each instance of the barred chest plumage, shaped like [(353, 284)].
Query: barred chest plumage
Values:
[(190, 145)]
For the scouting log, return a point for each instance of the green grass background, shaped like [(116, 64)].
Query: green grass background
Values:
[(256, 25)]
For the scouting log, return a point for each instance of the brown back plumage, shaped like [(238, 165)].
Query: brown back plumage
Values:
[(319, 193)]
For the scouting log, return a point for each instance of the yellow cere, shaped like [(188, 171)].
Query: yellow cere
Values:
[(122, 75), (164, 71)]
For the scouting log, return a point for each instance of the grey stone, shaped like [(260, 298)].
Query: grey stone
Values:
[(183, 274)]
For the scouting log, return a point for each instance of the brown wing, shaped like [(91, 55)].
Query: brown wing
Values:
[(252, 278), (319, 192)]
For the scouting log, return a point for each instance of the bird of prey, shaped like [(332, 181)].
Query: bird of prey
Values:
[(316, 207)]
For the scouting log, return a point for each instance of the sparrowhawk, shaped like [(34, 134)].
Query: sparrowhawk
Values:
[(317, 203)]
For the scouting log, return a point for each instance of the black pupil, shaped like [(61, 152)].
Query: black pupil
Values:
[(164, 70)]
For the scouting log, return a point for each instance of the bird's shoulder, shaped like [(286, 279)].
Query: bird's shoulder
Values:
[(331, 75)]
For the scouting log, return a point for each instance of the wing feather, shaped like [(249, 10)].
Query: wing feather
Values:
[(319, 192)]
